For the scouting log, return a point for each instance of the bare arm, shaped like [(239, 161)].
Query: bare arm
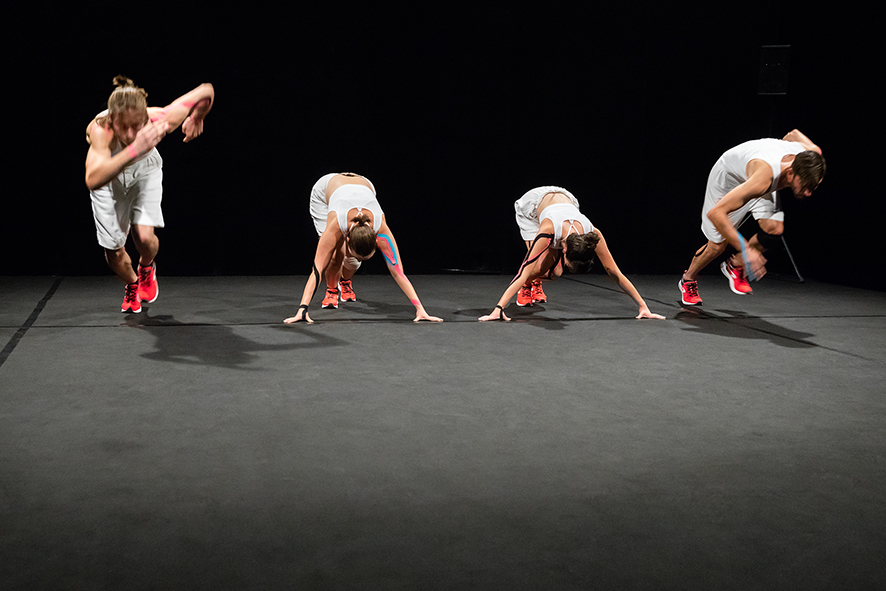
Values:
[(188, 111), (541, 251), (101, 166), (757, 185), (330, 240), (796, 136), (617, 277), (388, 246)]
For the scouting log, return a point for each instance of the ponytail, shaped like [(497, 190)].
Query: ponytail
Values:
[(361, 236), (361, 219), (126, 97), (581, 251)]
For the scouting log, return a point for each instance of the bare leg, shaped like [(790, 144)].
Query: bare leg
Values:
[(334, 270), (121, 264), (146, 243), (702, 259), (773, 227), (528, 248)]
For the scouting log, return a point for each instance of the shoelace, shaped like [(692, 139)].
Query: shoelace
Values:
[(346, 287), (131, 292), (691, 288), (144, 274)]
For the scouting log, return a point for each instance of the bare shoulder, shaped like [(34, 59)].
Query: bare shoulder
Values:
[(383, 228), (758, 168), (601, 247), (97, 133)]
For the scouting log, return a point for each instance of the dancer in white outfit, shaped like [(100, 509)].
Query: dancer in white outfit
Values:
[(124, 174), (559, 238), (351, 225), (745, 182)]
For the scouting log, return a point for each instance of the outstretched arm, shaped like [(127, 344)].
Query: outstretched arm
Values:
[(331, 239), (388, 246), (188, 111), (796, 136), (536, 263), (617, 277)]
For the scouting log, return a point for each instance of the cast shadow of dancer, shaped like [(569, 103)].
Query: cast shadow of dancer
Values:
[(214, 344), (741, 325), (520, 315), (390, 311), (377, 312)]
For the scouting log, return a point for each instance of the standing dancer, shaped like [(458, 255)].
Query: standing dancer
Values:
[(559, 238), (745, 181), (350, 223), (124, 174)]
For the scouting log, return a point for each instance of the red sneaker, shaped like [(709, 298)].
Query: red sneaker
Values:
[(524, 296), (347, 291), (689, 293), (538, 294), (131, 303), (148, 289), (331, 299), (737, 282)]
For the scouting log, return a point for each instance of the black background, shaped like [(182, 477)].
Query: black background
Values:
[(452, 112)]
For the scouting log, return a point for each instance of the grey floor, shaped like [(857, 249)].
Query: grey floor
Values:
[(203, 444)]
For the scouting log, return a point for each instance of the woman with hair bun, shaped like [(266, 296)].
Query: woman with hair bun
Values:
[(124, 175), (559, 238), (351, 226)]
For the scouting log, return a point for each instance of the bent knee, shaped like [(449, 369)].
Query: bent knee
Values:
[(116, 254), (143, 234), (771, 227), (717, 246)]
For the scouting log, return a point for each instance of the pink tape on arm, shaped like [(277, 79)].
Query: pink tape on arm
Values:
[(131, 151), (163, 113), (187, 104), (384, 244)]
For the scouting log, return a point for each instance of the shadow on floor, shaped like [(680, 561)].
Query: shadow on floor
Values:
[(516, 314), (744, 326), (217, 345)]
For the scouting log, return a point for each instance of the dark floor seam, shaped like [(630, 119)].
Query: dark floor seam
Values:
[(20, 333)]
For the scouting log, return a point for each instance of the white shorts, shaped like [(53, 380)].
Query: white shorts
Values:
[(319, 205), (132, 197), (526, 208), (762, 208)]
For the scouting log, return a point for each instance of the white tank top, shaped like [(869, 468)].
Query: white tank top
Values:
[(770, 151), (348, 197), (564, 212)]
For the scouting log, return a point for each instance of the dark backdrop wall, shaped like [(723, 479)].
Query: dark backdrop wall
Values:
[(453, 113)]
